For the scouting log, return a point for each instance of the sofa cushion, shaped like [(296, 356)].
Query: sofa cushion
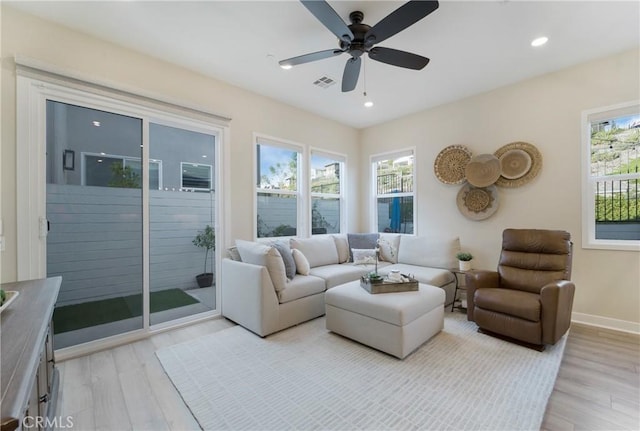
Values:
[(319, 250), (287, 258), (265, 255), (301, 286), (365, 256), (389, 244), (302, 264), (361, 241), (518, 303), (437, 252), (342, 245), (336, 274), (433, 276)]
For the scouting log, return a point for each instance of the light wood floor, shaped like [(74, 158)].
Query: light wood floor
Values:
[(125, 388)]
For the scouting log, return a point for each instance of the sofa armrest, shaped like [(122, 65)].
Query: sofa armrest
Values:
[(478, 279), (556, 300), (248, 296)]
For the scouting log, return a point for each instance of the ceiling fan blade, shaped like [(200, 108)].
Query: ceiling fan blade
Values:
[(329, 18), (306, 58), (401, 18), (398, 58), (351, 74)]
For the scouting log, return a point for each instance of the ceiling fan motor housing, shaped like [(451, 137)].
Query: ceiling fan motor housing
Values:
[(358, 45)]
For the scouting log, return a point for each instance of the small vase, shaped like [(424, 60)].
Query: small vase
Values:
[(465, 265)]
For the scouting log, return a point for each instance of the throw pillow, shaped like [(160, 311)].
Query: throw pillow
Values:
[(287, 259), (302, 264), (361, 241), (365, 256), (389, 243), (232, 253), (267, 256)]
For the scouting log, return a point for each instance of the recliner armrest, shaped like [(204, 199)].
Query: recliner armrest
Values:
[(478, 279), (556, 300)]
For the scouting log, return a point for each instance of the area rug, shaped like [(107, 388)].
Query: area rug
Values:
[(308, 378)]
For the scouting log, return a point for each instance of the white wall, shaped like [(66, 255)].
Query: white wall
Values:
[(26, 35), (544, 111)]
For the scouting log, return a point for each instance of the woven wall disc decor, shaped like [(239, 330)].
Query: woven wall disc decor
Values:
[(477, 203), (483, 170), (516, 165), (450, 164)]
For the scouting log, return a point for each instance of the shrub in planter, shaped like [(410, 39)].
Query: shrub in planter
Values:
[(207, 240)]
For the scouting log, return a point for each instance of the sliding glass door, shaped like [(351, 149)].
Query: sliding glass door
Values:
[(128, 227), (94, 209), (181, 223)]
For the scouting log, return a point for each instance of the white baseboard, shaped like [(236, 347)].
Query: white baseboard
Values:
[(606, 322)]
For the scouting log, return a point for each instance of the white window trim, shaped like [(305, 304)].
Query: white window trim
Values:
[(373, 202), (589, 240), (34, 88), (302, 199), (342, 159)]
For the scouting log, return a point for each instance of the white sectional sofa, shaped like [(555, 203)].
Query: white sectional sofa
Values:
[(257, 294)]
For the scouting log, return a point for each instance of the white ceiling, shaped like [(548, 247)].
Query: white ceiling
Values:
[(474, 46)]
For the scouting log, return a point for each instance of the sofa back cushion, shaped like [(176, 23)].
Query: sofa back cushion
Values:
[(319, 250), (434, 252), (265, 255), (342, 245)]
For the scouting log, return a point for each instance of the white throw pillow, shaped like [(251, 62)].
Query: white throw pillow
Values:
[(389, 244), (434, 252), (267, 256), (363, 256), (302, 264)]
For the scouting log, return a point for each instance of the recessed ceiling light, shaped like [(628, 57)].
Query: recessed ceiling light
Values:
[(368, 104), (96, 123), (286, 66), (539, 41)]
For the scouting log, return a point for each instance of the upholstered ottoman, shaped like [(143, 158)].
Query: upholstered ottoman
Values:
[(395, 323)]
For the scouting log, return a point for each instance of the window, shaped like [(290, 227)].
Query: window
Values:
[(326, 173), (277, 195), (392, 177), (195, 176), (106, 170), (611, 165)]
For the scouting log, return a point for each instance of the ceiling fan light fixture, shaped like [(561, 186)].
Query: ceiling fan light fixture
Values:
[(539, 41)]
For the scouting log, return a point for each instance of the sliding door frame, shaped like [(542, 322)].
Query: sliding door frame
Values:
[(32, 94)]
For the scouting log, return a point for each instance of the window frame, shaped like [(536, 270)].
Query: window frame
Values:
[(342, 160), (373, 160), (83, 164), (588, 117), (198, 189), (300, 194)]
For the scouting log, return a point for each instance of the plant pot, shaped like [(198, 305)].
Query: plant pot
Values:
[(205, 279), (465, 265)]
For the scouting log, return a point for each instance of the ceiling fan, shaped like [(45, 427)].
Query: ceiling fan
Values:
[(358, 38)]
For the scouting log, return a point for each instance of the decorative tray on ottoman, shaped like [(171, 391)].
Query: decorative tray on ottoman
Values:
[(387, 286)]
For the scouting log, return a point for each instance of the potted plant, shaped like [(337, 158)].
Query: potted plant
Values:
[(464, 260), (207, 240)]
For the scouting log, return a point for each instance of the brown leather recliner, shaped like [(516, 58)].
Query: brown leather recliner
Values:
[(530, 297)]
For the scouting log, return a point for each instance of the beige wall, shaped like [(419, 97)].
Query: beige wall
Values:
[(28, 36), (545, 111)]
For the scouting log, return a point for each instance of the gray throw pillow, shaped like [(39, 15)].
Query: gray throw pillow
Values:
[(287, 258), (361, 241)]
